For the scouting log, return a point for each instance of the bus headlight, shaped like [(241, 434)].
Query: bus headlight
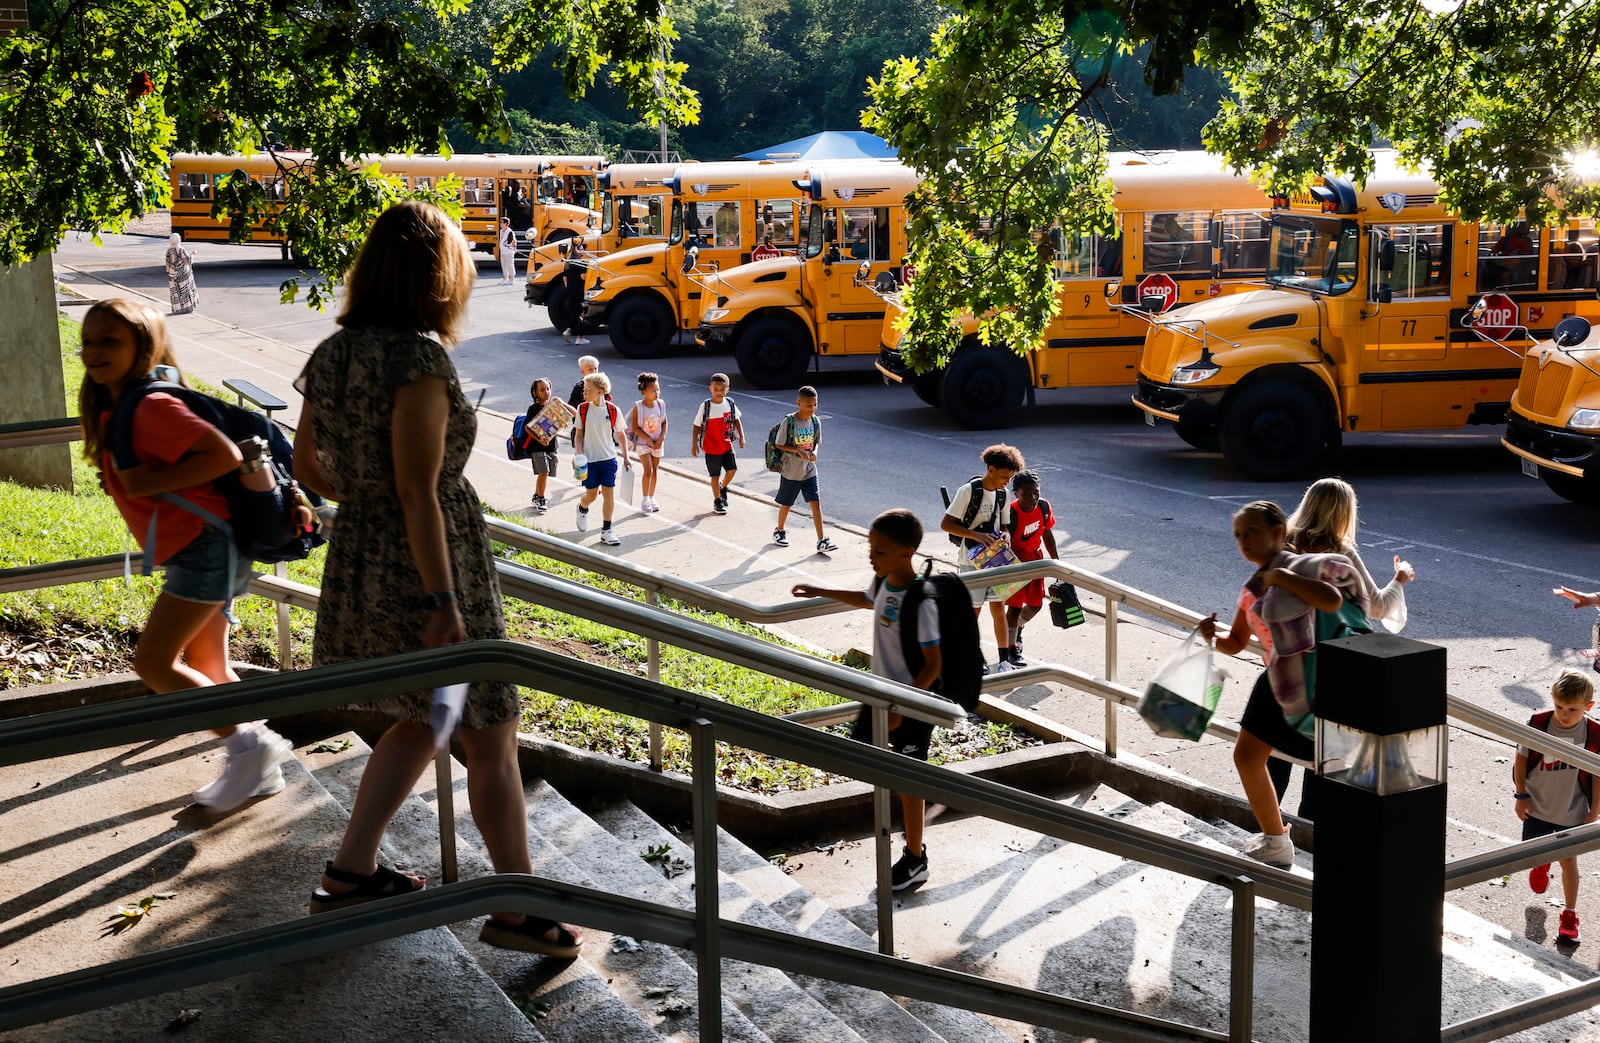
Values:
[(590, 295), (1194, 374), (1585, 420), (716, 314)]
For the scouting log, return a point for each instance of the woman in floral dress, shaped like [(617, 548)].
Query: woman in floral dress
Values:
[(180, 276), (386, 431)]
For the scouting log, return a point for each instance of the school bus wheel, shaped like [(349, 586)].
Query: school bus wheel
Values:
[(984, 386), (1204, 437), (773, 353), (929, 387), (564, 307), (1273, 429), (559, 234), (641, 326), (1582, 491)]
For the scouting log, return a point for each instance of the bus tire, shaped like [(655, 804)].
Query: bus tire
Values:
[(773, 354), (1204, 437), (1274, 430), (1582, 491), (559, 234), (984, 387), (641, 326), (929, 387), (563, 306)]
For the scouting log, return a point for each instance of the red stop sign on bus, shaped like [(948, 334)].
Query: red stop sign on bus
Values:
[(1158, 285), (1499, 316)]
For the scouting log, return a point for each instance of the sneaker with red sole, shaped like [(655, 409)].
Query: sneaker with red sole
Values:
[(1539, 878), (1568, 931)]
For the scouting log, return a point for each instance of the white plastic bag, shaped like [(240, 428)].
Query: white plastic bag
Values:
[(1180, 699)]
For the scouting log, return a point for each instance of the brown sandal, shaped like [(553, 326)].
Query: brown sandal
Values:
[(383, 883), (529, 936)]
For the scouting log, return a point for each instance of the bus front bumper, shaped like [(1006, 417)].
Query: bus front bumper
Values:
[(715, 337), (1197, 406), (536, 292), (892, 366), (1557, 449)]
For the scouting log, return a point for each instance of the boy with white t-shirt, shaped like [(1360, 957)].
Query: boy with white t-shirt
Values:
[(1553, 795), (985, 523), (600, 436)]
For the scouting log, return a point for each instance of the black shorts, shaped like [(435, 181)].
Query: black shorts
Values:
[(716, 463), (1263, 718), (1534, 828), (910, 738)]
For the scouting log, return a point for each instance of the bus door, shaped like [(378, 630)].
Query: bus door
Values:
[(518, 189), (1089, 342), (1408, 340), (849, 313)]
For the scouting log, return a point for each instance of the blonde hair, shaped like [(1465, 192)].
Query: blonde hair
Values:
[(151, 349), (588, 364), (415, 273), (598, 380), (1572, 687), (1325, 521)]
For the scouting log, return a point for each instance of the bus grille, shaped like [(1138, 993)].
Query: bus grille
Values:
[(1549, 386)]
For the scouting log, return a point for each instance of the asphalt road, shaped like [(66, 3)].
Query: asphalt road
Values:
[(1140, 506)]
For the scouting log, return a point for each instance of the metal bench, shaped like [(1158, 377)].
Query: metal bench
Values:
[(265, 400)]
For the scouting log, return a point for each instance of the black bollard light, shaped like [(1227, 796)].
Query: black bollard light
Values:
[(1377, 901)]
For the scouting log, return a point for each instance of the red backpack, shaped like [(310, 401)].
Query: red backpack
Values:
[(1591, 742)]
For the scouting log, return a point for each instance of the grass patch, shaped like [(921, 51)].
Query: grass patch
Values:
[(89, 629)]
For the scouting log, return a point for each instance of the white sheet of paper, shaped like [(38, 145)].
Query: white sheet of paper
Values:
[(446, 713)]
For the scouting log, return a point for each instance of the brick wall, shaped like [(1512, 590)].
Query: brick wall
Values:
[(13, 15)]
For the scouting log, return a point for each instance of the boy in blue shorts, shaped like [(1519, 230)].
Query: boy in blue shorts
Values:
[(891, 547), (1552, 795), (600, 436), (798, 438)]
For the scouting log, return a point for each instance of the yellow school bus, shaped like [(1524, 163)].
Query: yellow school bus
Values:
[(646, 295), (635, 200), (1359, 328), (546, 197), (1554, 423), (780, 313), (1187, 230)]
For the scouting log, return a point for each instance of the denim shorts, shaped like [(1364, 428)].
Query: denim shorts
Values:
[(791, 489), (601, 472), (199, 572)]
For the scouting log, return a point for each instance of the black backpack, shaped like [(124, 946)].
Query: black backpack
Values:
[(260, 522), (961, 658), (974, 503)]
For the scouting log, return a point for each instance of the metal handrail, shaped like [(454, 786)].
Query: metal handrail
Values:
[(81, 729), (25, 433)]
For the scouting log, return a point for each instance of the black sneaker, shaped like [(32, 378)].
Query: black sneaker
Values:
[(1016, 655), (719, 505), (780, 538), (911, 869)]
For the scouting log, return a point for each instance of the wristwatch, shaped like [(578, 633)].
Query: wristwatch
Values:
[(438, 599), (1522, 796)]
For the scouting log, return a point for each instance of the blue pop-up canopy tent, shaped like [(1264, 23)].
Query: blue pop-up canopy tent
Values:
[(829, 144)]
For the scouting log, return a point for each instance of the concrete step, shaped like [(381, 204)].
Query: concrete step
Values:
[(755, 891), (655, 983), (1034, 911), (85, 835)]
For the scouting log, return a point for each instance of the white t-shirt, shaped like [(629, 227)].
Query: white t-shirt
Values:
[(888, 658), (1553, 783), (716, 420), (992, 510), (600, 439)]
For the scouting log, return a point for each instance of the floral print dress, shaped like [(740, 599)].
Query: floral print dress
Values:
[(373, 601)]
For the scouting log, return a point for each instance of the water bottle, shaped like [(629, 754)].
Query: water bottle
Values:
[(580, 466), (255, 473)]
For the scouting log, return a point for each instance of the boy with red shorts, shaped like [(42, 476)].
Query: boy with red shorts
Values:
[(1032, 524)]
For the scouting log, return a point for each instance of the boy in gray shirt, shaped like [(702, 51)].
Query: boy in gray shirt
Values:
[(797, 439)]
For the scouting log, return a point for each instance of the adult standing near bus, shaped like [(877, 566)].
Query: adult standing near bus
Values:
[(508, 252), (387, 431), (180, 276)]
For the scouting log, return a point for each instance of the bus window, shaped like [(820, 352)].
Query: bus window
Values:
[(423, 184), (1313, 254), (1508, 257), (275, 188), (864, 233), (477, 191), (778, 221), (1086, 256), (194, 186), (1421, 259), (1244, 243), (1176, 242), (1572, 260)]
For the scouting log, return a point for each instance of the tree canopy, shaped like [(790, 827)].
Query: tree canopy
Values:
[(1498, 101)]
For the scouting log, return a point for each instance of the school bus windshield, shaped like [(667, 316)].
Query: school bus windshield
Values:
[(632, 216), (1316, 254)]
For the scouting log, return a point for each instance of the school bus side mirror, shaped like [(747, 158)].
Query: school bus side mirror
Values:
[(864, 273), (1475, 313), (1385, 294), (1216, 235), (1571, 331), (1112, 288), (1386, 256), (1216, 270)]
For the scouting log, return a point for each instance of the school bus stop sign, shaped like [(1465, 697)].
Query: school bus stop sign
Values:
[(1160, 286), (1499, 317)]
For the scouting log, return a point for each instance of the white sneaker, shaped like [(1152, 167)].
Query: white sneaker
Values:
[(583, 520), (272, 784), (1273, 850), (610, 538), (1002, 667), (253, 758)]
